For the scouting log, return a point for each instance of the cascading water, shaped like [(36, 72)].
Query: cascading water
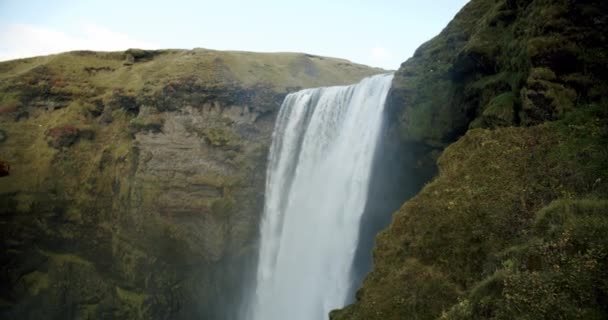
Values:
[(316, 189)]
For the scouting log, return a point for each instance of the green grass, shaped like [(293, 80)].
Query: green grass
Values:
[(105, 71)]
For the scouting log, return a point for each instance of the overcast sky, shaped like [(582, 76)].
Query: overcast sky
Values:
[(380, 33)]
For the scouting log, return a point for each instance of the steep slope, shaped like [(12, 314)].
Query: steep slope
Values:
[(512, 226), (136, 178)]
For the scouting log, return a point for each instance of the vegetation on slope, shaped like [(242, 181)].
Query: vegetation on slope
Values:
[(513, 225)]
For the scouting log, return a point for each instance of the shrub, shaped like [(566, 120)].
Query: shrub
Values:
[(152, 124), (66, 135)]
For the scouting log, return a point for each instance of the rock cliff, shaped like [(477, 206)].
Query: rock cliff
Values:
[(131, 183), (136, 178), (512, 225)]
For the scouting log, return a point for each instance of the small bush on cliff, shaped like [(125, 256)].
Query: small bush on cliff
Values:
[(153, 124), (223, 206), (13, 106), (141, 54), (124, 100), (222, 138), (66, 135)]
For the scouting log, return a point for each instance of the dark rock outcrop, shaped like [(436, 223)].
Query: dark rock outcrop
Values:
[(5, 168)]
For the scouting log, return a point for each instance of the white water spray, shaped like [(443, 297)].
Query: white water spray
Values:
[(316, 189)]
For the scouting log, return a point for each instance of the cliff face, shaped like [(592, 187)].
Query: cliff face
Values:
[(512, 225), (131, 183), (135, 179)]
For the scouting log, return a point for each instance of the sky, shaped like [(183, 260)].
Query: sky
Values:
[(380, 33)]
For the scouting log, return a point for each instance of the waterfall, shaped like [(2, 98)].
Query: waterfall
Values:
[(316, 188)]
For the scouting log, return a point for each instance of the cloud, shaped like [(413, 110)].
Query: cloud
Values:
[(25, 40)]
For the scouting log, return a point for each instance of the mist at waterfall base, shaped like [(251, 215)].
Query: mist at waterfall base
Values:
[(314, 248)]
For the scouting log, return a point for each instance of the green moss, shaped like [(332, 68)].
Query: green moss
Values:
[(221, 137), (151, 123), (35, 282), (500, 112), (133, 300), (130, 297), (542, 73), (480, 300), (90, 310), (73, 214), (545, 100), (556, 274), (223, 206), (66, 258)]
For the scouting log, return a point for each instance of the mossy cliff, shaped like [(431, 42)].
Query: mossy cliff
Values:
[(513, 96), (135, 179)]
